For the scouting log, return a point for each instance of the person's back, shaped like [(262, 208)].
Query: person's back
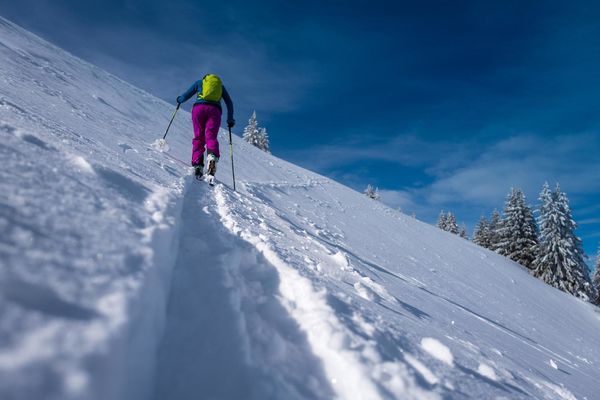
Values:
[(206, 119)]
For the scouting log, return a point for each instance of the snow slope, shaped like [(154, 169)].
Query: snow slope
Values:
[(123, 278)]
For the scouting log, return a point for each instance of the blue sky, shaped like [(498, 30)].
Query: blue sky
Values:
[(442, 104)]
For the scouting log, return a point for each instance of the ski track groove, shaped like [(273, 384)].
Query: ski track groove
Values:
[(224, 319)]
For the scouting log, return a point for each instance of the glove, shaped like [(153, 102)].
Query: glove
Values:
[(230, 123), (179, 99)]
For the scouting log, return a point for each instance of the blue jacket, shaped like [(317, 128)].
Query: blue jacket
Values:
[(197, 88)]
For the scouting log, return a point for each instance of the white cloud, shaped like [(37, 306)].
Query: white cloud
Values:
[(167, 68), (521, 161), (475, 178), (407, 150)]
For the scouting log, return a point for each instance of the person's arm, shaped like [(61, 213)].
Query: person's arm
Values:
[(229, 104), (189, 93)]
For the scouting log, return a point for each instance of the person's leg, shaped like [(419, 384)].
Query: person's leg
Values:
[(213, 123), (198, 142)]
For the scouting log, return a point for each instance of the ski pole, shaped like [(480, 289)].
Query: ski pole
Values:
[(231, 155), (170, 122)]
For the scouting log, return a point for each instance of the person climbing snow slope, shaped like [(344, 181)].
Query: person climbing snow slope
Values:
[(206, 119)]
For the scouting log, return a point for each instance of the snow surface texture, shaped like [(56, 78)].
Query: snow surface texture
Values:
[(123, 278)]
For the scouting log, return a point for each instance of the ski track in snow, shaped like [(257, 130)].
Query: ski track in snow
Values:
[(123, 278), (225, 321)]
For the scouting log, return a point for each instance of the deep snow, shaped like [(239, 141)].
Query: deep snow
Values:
[(123, 278)]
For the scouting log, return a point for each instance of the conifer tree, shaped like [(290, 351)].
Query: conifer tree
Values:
[(451, 225), (481, 234), (442, 221), (372, 192), (596, 279), (251, 131), (560, 261), (463, 231), (493, 230), (447, 222), (517, 234), (263, 140)]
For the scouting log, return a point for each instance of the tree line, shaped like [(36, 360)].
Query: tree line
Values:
[(548, 247)]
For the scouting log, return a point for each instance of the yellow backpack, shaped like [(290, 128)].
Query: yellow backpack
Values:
[(212, 88)]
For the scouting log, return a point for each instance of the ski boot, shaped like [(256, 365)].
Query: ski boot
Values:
[(198, 171), (212, 168)]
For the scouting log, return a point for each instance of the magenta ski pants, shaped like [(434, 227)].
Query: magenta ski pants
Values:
[(206, 119)]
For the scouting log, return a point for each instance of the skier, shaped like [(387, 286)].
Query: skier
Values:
[(206, 118)]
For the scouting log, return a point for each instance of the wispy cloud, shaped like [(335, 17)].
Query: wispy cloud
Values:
[(165, 47), (252, 82), (521, 161), (473, 178), (479, 173), (405, 150)]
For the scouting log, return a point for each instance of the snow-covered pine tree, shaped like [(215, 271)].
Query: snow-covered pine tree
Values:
[(493, 230), (372, 192), (442, 221), (451, 225), (447, 222), (263, 140), (560, 261), (251, 131), (481, 234), (463, 231), (518, 237), (596, 278)]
